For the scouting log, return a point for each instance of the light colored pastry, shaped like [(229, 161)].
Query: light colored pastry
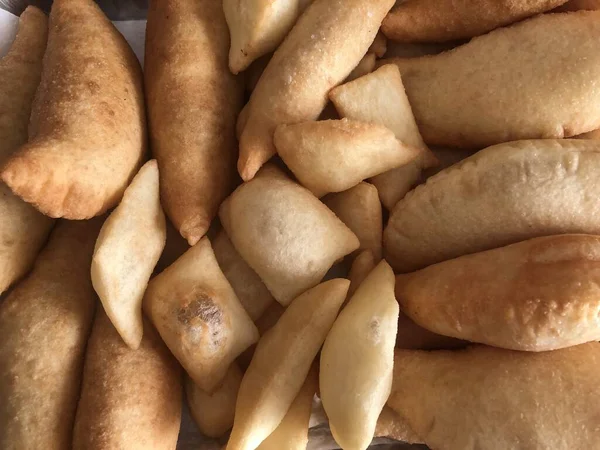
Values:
[(288, 237), (331, 36), (504, 86), (494, 399), (501, 195)]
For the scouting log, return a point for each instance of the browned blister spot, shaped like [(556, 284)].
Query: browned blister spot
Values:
[(202, 317)]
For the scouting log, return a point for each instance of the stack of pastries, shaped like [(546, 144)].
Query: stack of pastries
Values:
[(380, 213)]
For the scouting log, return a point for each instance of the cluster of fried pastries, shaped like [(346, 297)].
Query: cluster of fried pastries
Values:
[(417, 151)]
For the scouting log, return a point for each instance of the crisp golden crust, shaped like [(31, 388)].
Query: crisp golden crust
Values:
[(127, 250), (314, 57), (392, 425), (357, 360), (130, 399), (198, 315), (448, 20), (359, 208), (188, 83), (249, 288), (537, 295), (23, 230), (87, 133), (274, 379), (44, 325), (214, 412), (288, 237), (492, 399), (501, 195), (503, 86)]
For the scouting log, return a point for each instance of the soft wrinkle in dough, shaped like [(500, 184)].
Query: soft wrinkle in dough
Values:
[(130, 399), (193, 101), (127, 250), (448, 20), (44, 326), (537, 295), (501, 195), (23, 230), (510, 84), (196, 312), (87, 133), (484, 398), (284, 233), (328, 41)]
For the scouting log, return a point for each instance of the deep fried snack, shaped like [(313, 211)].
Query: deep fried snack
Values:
[(359, 208), (274, 378), (23, 229), (503, 86), (335, 155), (44, 325), (495, 399), (364, 67), (391, 425), (198, 315), (537, 295), (379, 45), (249, 288), (447, 20), (362, 265), (213, 413), (357, 360), (333, 36), (380, 98), (577, 5), (501, 195), (175, 246), (127, 250), (87, 134), (284, 233), (130, 399), (257, 27), (193, 102), (292, 431)]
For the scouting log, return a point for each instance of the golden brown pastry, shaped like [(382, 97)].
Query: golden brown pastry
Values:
[(537, 295), (23, 230), (198, 315), (331, 36), (501, 195), (249, 288), (391, 425), (130, 399), (274, 379), (335, 155), (126, 252), (193, 101), (504, 86), (357, 360), (577, 5), (44, 326), (447, 20), (87, 134), (380, 98), (288, 237), (411, 336), (492, 399)]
